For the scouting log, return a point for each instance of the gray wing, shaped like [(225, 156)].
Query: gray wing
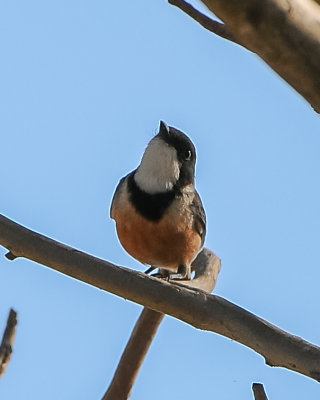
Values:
[(116, 195), (199, 214)]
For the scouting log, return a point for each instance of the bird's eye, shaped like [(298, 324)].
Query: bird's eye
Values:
[(188, 155)]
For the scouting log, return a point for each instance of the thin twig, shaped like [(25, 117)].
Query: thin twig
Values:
[(211, 25), (7, 341), (194, 307), (206, 268), (258, 391)]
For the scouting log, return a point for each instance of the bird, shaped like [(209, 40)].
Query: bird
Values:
[(160, 219)]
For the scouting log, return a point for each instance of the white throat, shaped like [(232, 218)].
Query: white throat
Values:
[(159, 169)]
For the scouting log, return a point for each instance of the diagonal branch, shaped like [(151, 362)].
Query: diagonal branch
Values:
[(134, 355), (284, 33), (194, 307), (211, 25), (7, 341)]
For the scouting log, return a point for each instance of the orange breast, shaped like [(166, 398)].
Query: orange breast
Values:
[(168, 243)]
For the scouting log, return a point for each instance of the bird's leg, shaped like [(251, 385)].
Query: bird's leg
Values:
[(183, 273), (150, 269), (162, 273)]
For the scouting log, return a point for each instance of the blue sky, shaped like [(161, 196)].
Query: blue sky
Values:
[(83, 86)]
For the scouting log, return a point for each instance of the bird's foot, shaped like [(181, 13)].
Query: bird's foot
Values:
[(162, 274), (183, 274)]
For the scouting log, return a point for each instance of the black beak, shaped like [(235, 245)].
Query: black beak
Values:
[(164, 129)]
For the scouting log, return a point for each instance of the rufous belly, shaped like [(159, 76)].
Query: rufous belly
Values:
[(167, 243)]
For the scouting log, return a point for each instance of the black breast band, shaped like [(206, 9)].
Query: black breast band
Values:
[(150, 206)]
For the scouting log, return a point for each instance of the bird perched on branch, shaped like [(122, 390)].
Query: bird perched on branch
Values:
[(159, 215)]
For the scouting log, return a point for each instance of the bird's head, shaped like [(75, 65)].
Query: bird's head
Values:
[(167, 163)]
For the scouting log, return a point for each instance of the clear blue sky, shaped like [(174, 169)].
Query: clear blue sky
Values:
[(83, 86)]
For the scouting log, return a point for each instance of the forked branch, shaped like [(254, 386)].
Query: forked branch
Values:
[(194, 307), (206, 268), (284, 33)]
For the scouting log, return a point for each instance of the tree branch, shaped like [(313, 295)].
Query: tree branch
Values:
[(7, 341), (258, 391), (194, 307), (206, 267), (134, 355), (284, 33), (211, 25)]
